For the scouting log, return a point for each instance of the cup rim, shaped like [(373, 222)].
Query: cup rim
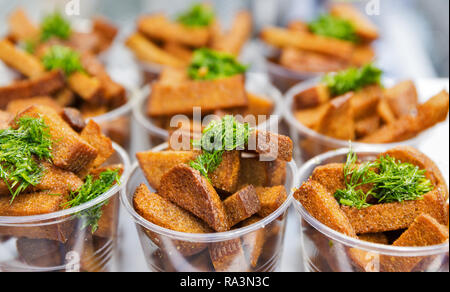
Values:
[(294, 123), (206, 237), (42, 218), (349, 241), (121, 110), (274, 95)]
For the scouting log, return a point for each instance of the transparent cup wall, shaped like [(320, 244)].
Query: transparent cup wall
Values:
[(255, 83), (58, 242), (170, 251), (325, 250)]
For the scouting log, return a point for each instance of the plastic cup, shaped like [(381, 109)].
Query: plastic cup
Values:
[(311, 143), (57, 241), (255, 83), (163, 248), (325, 250)]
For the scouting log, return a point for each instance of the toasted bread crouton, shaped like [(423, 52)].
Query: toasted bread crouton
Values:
[(16, 106), (257, 106), (395, 216), (44, 85), (40, 252), (21, 28), (179, 51), (424, 231), (226, 176), (365, 101), (93, 135), (362, 55), (271, 145), (228, 256), (385, 112), (338, 121), (69, 150), (106, 32), (367, 126), (33, 203), (232, 41), (311, 98), (160, 27), (262, 173), (411, 155), (432, 112), (210, 95), (311, 117), (307, 61), (402, 98), (5, 119), (162, 212), (57, 179), (379, 238), (188, 189), (242, 205), (87, 87), (74, 118), (396, 131), (363, 26), (321, 204), (253, 242), (19, 60), (270, 199)]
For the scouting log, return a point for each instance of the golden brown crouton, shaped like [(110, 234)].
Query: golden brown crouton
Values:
[(179, 51), (313, 97), (188, 189), (424, 231), (160, 27), (379, 238), (321, 204), (385, 112), (367, 126), (338, 121), (226, 176), (21, 28), (257, 106), (365, 101), (210, 95), (402, 98), (253, 242), (432, 112), (312, 117), (270, 199), (45, 84), (363, 55), (271, 145), (228, 256), (308, 61), (363, 26), (262, 173), (87, 87), (395, 216), (93, 135), (19, 60), (5, 118), (232, 41), (16, 106), (69, 150), (242, 205), (74, 118)]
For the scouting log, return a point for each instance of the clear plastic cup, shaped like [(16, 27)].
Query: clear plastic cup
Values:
[(164, 249), (57, 242), (325, 250), (255, 83), (311, 143)]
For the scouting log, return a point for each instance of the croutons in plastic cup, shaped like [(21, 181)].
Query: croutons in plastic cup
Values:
[(255, 83), (311, 143), (257, 247), (60, 241), (326, 250)]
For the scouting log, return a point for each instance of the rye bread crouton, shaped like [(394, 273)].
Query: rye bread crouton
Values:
[(226, 176), (188, 189), (364, 27), (270, 199), (16, 106), (271, 145), (27, 64), (93, 135), (313, 97), (242, 205), (365, 101), (262, 173), (311, 117), (74, 118), (228, 256), (338, 122), (321, 204), (69, 150), (424, 231), (5, 118), (402, 98)]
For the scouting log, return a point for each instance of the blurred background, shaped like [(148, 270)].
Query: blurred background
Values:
[(415, 33)]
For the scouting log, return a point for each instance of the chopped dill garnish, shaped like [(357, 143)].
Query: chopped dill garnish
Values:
[(393, 181), (54, 25), (218, 137), (63, 58), (208, 64), (90, 190), (199, 15), (352, 79), (19, 150), (333, 27)]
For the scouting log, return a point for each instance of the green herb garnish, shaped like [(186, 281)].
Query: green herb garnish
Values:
[(199, 15), (63, 58), (333, 27), (54, 25), (393, 181), (89, 191), (218, 137), (210, 65), (19, 149), (352, 79)]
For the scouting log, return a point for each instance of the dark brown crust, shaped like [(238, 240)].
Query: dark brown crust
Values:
[(272, 145), (188, 189), (226, 176), (262, 173), (74, 118), (242, 205), (270, 199)]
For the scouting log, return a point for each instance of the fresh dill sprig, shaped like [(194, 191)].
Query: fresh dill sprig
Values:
[(352, 79), (218, 137), (333, 27), (54, 25), (393, 181), (208, 64), (19, 150), (90, 190), (199, 15), (63, 58)]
